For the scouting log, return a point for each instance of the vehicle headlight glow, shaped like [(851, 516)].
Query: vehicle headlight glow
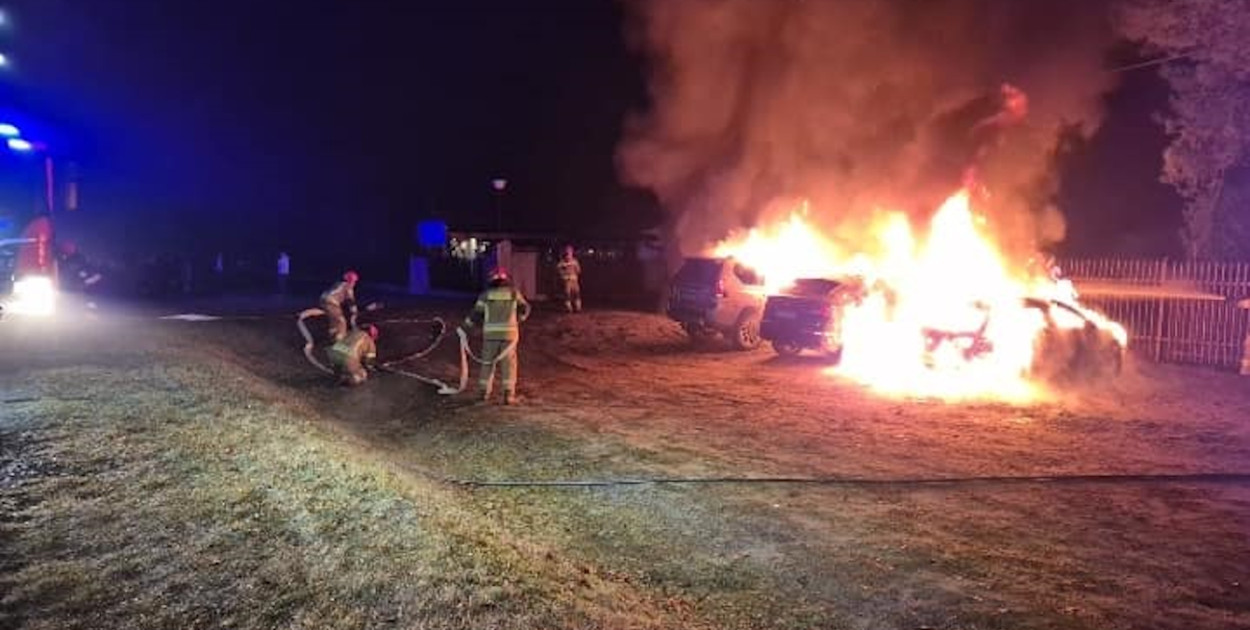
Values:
[(33, 295)]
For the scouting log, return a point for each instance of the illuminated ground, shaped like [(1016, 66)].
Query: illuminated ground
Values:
[(179, 475)]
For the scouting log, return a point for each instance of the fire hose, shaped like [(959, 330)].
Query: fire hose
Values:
[(466, 352)]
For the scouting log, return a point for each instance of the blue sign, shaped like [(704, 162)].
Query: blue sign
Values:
[(432, 234)]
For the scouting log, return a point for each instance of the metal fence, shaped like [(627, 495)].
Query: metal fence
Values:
[(1176, 312)]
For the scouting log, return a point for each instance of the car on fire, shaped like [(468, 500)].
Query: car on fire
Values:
[(718, 296), (1071, 343), (807, 315)]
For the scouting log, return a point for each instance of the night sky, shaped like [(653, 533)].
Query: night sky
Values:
[(327, 127)]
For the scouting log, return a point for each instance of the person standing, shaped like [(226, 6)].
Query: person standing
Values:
[(501, 308), (570, 272), (284, 272)]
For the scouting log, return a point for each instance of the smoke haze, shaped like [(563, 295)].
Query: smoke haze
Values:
[(857, 105)]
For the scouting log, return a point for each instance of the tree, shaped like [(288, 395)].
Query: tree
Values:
[(1207, 64)]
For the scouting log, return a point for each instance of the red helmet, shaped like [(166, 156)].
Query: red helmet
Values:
[(498, 273), (568, 249), (373, 331), (351, 276)]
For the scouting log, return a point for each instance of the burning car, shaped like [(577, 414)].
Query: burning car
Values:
[(1073, 344), (807, 316), (711, 296), (1069, 342)]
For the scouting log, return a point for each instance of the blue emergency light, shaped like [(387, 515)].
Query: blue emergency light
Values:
[(432, 234)]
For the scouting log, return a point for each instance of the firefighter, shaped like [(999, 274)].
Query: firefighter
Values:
[(353, 353), (570, 272), (501, 308), (335, 299)]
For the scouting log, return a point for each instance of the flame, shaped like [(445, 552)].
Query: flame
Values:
[(940, 313)]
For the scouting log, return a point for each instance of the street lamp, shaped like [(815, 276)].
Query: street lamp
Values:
[(499, 184)]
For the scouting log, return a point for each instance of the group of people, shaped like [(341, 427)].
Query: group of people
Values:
[(499, 310)]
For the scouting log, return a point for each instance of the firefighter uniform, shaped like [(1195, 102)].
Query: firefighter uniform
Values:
[(351, 354), (501, 309), (342, 294), (570, 272)]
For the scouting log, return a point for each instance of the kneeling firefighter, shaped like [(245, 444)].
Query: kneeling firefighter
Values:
[(501, 308), (335, 299), (351, 355)]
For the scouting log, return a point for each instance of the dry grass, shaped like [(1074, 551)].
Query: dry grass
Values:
[(212, 481), (182, 502)]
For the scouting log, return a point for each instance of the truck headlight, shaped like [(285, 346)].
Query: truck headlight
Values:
[(33, 295)]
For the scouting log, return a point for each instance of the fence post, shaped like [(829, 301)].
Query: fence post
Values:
[(1245, 348), (1163, 275)]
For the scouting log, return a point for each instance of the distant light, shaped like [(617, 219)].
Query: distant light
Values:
[(9, 131), (499, 183), (4, 18), (18, 144), (4, 60)]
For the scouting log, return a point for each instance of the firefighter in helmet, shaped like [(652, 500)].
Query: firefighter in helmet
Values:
[(570, 272), (353, 353), (337, 298), (500, 308)]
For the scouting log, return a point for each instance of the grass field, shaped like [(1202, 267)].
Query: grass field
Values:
[(187, 475)]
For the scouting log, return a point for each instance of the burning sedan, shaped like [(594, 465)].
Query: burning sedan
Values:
[(807, 315)]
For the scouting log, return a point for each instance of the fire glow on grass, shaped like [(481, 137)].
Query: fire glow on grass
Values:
[(951, 284)]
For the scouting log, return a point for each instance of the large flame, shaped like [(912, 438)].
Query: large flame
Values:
[(940, 312)]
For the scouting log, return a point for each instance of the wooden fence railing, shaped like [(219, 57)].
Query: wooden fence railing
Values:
[(1177, 312)]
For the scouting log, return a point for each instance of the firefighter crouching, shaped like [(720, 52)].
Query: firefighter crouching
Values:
[(570, 272), (351, 355), (335, 299), (500, 308)]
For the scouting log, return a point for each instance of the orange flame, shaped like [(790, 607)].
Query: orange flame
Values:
[(941, 313)]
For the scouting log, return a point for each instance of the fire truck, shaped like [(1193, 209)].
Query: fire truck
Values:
[(30, 269)]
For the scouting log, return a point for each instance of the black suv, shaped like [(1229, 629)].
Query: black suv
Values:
[(807, 316), (712, 296)]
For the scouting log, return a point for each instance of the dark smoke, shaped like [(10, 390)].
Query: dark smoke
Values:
[(858, 104)]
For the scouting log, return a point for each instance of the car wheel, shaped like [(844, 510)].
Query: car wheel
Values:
[(833, 354), (695, 332), (747, 333), (786, 349)]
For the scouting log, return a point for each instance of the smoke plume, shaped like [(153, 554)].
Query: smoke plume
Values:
[(858, 105)]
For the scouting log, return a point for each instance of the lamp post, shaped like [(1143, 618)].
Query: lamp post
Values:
[(499, 184)]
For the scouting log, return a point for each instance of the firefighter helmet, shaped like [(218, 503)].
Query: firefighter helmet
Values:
[(498, 273), (351, 276), (373, 331)]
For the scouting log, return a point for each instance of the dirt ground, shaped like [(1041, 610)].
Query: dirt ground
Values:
[(169, 474)]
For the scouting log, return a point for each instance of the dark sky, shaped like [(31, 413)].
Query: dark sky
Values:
[(332, 126), (247, 120)]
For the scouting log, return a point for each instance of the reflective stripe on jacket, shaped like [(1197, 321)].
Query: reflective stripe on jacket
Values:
[(357, 348), (569, 269), (501, 310), (339, 293)]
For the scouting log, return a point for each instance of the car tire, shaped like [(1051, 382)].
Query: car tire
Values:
[(746, 333), (695, 332), (786, 349), (834, 355)]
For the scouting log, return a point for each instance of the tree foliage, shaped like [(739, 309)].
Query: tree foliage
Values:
[(1207, 44)]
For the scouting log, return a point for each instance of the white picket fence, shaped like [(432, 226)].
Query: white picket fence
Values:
[(1176, 312)]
